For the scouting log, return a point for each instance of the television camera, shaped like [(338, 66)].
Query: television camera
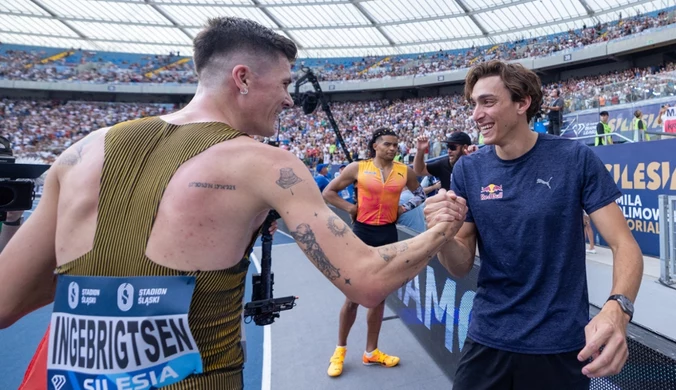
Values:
[(17, 181), (309, 101)]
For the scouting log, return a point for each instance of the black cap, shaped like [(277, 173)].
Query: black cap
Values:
[(603, 113), (459, 138)]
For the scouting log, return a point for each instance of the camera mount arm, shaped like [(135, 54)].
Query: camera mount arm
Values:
[(309, 104)]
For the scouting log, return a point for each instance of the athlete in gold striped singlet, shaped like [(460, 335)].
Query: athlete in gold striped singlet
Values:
[(142, 235)]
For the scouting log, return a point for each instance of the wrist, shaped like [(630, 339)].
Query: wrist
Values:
[(613, 307)]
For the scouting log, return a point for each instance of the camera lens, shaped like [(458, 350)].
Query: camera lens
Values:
[(6, 196)]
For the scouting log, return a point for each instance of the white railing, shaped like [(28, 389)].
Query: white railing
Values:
[(667, 205)]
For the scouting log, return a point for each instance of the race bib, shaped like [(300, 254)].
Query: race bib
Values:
[(128, 333)]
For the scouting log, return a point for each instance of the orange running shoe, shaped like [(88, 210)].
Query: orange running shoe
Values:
[(336, 365), (378, 357)]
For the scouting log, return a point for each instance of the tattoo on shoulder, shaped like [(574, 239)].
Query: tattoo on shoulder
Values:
[(68, 159), (305, 237), (288, 179), (389, 251), (337, 226), (74, 156), (211, 186)]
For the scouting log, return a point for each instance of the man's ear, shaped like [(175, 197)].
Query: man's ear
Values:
[(523, 105), (241, 74)]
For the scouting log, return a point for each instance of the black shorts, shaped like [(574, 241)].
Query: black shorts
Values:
[(485, 368), (376, 235)]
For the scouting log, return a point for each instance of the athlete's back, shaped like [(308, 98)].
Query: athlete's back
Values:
[(204, 221)]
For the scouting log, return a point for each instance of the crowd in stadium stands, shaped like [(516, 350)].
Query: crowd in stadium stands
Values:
[(86, 66), (536, 47), (620, 87), (43, 129), (83, 66)]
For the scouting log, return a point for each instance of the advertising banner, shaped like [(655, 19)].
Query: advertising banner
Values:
[(619, 118), (642, 171)]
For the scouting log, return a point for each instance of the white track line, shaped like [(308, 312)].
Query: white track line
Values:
[(256, 263), (286, 234), (267, 343)]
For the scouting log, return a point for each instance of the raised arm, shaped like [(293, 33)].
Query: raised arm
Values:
[(419, 166), (330, 244), (663, 109)]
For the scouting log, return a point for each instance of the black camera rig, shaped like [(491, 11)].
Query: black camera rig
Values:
[(263, 308), (17, 181), (310, 100)]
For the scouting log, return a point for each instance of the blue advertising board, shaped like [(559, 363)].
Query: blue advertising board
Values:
[(620, 119), (642, 171)]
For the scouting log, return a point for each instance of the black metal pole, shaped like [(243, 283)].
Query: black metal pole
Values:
[(327, 110), (266, 257)]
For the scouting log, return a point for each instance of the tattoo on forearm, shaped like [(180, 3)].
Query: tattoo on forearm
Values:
[(389, 251), (347, 281), (337, 226), (212, 186), (288, 179), (306, 238)]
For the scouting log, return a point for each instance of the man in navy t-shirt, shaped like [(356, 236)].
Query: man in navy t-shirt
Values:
[(525, 194)]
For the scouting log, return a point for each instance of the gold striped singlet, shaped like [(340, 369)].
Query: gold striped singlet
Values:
[(141, 156)]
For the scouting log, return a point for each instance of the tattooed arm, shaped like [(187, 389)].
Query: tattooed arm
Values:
[(347, 177), (365, 274)]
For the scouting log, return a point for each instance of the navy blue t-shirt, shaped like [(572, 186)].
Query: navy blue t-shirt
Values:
[(532, 286)]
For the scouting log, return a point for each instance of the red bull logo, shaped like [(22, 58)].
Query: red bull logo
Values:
[(491, 191)]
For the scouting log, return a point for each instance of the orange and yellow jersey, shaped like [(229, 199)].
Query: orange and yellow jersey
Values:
[(378, 196)]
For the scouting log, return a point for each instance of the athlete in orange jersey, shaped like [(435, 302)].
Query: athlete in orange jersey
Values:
[(379, 184)]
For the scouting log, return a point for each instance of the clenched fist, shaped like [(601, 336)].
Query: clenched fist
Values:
[(445, 206), (423, 143)]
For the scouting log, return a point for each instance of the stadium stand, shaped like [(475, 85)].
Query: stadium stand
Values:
[(24, 63)]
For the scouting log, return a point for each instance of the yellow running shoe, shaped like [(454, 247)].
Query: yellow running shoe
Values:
[(378, 357), (336, 366)]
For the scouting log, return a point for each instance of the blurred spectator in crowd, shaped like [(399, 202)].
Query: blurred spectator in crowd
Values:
[(322, 177)]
